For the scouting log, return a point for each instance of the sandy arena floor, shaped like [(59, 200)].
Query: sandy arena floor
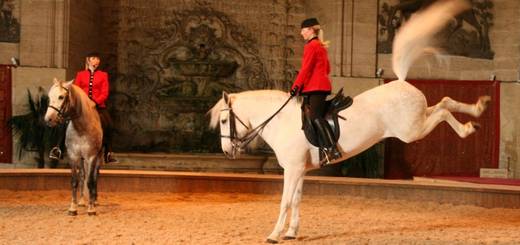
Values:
[(169, 218)]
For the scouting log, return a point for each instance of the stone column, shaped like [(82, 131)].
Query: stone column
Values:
[(43, 41)]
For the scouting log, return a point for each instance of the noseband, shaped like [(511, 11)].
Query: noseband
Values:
[(62, 111), (238, 143)]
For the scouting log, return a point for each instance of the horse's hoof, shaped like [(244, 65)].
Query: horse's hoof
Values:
[(289, 237), (73, 213), (476, 125), (271, 241), (485, 99), (91, 213)]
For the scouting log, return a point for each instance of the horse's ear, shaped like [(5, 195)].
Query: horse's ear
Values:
[(68, 84), (225, 96), (55, 81)]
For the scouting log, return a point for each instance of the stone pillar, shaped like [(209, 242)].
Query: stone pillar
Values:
[(43, 41), (351, 26)]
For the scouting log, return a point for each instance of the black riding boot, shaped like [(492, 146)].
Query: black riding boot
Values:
[(328, 144)]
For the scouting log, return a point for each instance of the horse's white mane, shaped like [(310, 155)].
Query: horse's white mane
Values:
[(257, 96), (414, 37)]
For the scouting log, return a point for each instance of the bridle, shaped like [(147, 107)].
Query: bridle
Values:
[(238, 143), (64, 108)]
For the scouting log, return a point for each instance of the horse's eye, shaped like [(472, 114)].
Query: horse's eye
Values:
[(223, 121), (61, 97)]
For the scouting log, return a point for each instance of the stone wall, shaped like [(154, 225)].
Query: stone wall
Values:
[(85, 33), (24, 79), (504, 46), (9, 31), (174, 59), (169, 60)]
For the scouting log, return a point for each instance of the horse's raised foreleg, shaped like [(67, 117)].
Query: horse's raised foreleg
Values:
[(291, 177), (295, 211), (455, 106), (463, 130), (73, 210)]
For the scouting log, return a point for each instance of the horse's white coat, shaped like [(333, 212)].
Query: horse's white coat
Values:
[(396, 109)]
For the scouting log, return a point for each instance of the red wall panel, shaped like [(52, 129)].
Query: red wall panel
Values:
[(5, 114), (442, 152)]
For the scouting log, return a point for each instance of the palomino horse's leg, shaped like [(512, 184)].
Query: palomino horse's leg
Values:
[(291, 177), (98, 166), (295, 212), (440, 115), (83, 184), (73, 210), (455, 106), (91, 177)]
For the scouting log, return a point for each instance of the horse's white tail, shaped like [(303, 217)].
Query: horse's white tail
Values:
[(413, 38)]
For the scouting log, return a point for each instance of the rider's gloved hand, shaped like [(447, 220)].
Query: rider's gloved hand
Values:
[(294, 91)]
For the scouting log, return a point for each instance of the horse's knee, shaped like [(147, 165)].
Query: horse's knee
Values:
[(443, 114)]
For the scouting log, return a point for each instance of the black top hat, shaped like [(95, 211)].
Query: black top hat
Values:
[(93, 54), (310, 22)]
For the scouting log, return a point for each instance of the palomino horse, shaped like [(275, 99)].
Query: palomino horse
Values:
[(396, 109), (83, 138)]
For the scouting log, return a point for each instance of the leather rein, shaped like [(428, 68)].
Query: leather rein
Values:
[(241, 142)]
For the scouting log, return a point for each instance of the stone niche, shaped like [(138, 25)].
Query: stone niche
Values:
[(173, 67)]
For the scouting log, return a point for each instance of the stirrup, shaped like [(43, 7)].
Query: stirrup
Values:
[(110, 159), (327, 158), (55, 153)]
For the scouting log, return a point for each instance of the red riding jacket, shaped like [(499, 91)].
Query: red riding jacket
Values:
[(98, 92), (314, 73)]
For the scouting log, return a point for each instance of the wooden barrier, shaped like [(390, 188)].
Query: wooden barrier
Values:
[(490, 196)]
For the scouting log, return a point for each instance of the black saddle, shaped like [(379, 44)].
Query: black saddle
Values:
[(334, 106)]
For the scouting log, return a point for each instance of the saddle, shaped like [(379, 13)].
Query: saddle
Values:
[(333, 107)]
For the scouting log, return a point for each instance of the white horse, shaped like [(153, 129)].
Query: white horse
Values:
[(396, 109), (83, 138)]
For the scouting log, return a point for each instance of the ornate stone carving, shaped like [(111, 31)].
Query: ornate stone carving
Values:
[(9, 25), (472, 41), (174, 72)]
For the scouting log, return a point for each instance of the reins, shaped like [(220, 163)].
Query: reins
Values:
[(250, 135)]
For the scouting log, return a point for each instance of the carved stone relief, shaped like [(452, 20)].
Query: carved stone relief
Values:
[(467, 35), (174, 72), (9, 25)]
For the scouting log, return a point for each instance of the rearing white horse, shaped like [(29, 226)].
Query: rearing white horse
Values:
[(396, 109)]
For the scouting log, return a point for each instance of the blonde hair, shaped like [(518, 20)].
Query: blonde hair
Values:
[(317, 30)]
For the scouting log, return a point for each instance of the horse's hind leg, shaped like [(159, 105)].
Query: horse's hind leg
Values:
[(73, 210), (83, 184), (463, 130), (455, 106)]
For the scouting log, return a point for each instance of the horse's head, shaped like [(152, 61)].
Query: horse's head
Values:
[(59, 102), (232, 127)]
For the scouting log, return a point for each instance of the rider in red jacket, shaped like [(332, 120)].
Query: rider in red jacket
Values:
[(95, 84), (99, 91), (314, 84)]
